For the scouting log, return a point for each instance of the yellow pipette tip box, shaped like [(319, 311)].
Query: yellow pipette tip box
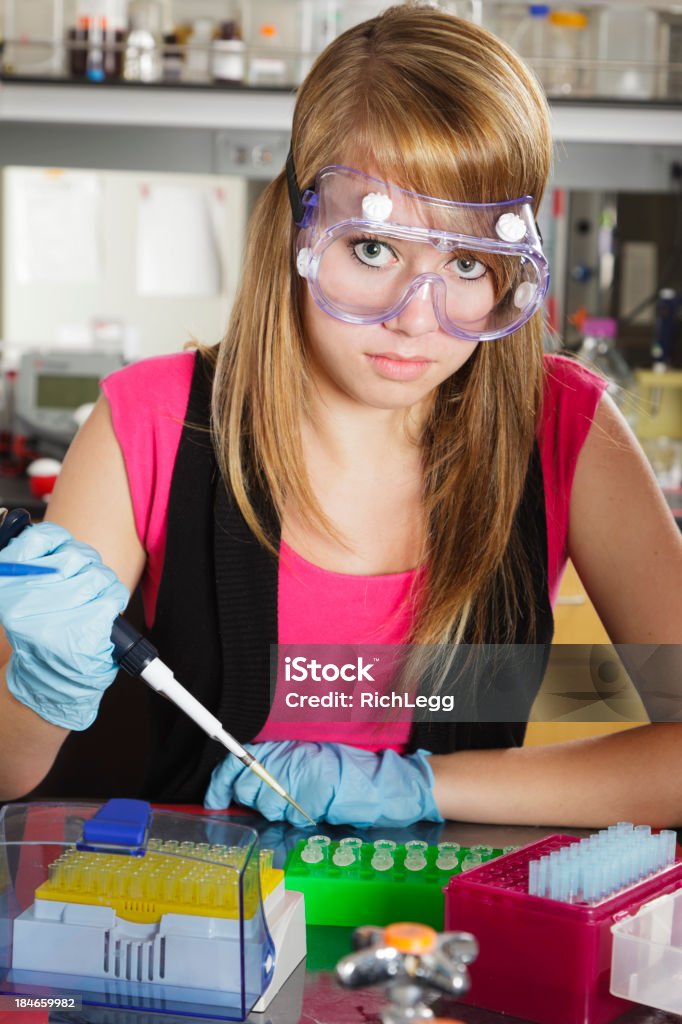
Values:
[(164, 911)]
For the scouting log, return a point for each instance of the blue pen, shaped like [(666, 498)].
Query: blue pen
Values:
[(22, 569)]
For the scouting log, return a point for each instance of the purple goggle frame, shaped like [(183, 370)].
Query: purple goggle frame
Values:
[(367, 248)]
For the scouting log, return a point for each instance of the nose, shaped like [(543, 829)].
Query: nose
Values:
[(418, 316)]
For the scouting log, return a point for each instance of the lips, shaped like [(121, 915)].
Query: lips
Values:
[(392, 366), (396, 357)]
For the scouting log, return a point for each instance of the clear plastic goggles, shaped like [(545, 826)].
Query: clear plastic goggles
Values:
[(367, 248)]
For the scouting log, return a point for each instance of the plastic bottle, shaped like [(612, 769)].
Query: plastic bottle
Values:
[(531, 39), (568, 43), (627, 34), (599, 351), (94, 67)]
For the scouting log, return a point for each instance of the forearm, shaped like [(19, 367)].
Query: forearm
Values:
[(632, 775), (28, 745)]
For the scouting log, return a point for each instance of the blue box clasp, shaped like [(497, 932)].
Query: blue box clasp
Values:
[(119, 826)]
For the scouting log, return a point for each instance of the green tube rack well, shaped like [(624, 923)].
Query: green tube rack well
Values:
[(359, 894)]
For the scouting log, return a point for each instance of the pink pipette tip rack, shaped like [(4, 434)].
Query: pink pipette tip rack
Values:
[(544, 959)]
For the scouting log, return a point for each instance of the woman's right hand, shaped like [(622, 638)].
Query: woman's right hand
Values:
[(59, 625)]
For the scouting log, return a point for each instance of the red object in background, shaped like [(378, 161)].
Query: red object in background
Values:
[(41, 486), (552, 312), (15, 454), (578, 318)]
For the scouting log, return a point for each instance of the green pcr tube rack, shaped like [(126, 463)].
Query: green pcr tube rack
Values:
[(350, 883)]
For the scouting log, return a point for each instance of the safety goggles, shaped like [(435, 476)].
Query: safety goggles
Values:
[(367, 248)]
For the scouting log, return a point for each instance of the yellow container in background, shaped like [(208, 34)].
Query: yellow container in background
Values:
[(659, 404)]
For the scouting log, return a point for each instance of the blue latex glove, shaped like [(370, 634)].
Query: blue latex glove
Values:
[(332, 781), (59, 625)]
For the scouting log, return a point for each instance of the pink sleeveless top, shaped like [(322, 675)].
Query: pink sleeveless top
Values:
[(316, 606)]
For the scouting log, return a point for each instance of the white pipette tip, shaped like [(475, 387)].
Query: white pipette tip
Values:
[(250, 761), (161, 679)]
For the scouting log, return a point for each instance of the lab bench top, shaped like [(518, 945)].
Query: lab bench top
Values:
[(312, 995)]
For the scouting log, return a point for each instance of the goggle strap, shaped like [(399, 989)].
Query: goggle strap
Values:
[(298, 210)]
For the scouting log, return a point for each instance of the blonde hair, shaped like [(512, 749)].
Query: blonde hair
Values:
[(442, 107)]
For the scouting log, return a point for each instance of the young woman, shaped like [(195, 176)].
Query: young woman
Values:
[(377, 452)]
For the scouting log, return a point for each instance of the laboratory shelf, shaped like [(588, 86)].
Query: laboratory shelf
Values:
[(245, 131), (122, 103), (213, 106)]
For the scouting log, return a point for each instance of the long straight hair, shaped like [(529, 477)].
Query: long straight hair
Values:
[(439, 106)]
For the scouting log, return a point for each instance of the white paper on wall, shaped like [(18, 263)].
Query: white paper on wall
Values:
[(180, 232), (56, 227)]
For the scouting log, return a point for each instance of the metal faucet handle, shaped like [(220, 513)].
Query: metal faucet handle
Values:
[(408, 952)]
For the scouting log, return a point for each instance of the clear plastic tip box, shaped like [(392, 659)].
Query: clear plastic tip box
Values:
[(153, 910), (647, 954)]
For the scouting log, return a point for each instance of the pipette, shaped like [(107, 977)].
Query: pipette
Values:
[(140, 658)]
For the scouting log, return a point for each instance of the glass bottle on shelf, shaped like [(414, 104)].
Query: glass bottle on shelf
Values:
[(78, 38), (171, 57), (198, 51), (114, 30), (531, 39), (228, 53), (143, 59)]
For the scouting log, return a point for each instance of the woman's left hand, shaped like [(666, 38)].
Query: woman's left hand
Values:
[(332, 781)]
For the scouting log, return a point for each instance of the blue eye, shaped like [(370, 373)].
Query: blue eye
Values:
[(373, 253), (469, 268)]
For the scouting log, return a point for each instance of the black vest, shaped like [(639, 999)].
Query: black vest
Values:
[(216, 618)]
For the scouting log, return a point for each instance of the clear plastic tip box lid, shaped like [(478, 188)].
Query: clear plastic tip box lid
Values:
[(133, 907), (647, 954)]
